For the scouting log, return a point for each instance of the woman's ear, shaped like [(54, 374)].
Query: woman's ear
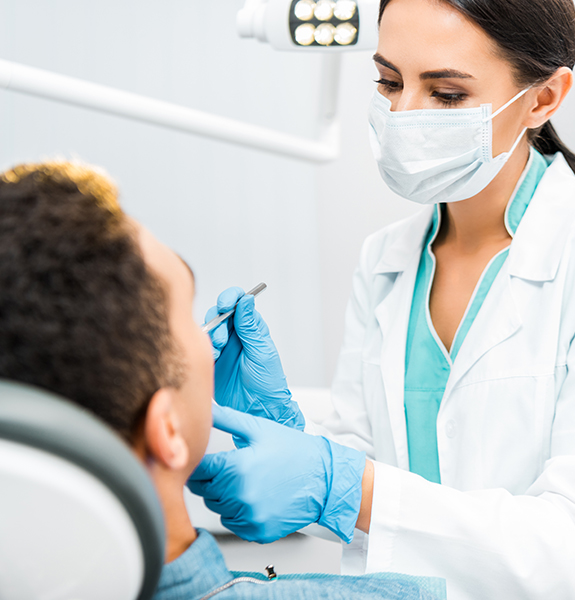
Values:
[(548, 97), (163, 434)]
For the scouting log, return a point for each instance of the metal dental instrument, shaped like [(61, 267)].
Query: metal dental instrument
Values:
[(207, 327)]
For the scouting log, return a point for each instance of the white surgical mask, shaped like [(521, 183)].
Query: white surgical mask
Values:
[(432, 156)]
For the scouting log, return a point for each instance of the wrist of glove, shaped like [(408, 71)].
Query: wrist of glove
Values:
[(343, 497)]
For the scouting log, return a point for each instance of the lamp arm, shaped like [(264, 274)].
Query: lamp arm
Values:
[(38, 82)]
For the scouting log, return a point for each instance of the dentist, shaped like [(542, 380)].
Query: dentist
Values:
[(457, 373)]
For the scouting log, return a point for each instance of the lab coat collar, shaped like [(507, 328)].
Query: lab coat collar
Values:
[(405, 240), (540, 239)]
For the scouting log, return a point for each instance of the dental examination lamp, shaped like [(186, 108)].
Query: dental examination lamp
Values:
[(325, 26), (308, 25)]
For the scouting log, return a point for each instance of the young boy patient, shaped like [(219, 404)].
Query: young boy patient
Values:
[(94, 308)]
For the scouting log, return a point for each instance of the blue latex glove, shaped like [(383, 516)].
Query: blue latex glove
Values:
[(280, 481), (248, 372)]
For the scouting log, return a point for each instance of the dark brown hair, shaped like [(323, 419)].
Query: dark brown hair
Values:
[(80, 313), (536, 37)]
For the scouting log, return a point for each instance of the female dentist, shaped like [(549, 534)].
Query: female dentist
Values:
[(457, 374)]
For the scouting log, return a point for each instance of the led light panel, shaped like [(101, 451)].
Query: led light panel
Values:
[(305, 34), (324, 22), (304, 10)]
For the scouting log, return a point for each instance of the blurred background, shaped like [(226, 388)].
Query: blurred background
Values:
[(237, 216)]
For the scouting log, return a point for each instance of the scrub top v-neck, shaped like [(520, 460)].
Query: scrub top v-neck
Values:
[(427, 362)]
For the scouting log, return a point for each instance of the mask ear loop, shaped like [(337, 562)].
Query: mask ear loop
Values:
[(517, 142), (499, 111)]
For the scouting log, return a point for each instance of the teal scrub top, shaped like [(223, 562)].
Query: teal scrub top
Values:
[(427, 362)]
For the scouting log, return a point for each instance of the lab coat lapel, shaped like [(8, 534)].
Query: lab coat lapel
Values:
[(540, 239), (534, 255), (497, 320), (392, 314)]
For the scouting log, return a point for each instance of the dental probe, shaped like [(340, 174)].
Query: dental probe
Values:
[(207, 327)]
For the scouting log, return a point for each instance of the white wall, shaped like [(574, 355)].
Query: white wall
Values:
[(237, 216)]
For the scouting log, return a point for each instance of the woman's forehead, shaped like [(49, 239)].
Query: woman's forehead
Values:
[(431, 35)]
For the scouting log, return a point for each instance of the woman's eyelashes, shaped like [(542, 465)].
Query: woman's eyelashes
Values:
[(449, 98), (444, 98), (390, 86)]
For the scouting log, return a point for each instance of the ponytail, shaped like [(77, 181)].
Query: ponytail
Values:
[(547, 141)]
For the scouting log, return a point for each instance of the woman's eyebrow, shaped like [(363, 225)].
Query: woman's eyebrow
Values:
[(439, 74), (445, 74), (379, 59)]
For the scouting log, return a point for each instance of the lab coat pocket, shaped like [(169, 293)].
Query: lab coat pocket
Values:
[(497, 432)]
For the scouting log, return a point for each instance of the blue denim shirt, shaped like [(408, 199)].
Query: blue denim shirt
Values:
[(201, 573)]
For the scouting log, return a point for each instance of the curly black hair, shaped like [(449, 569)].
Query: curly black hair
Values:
[(80, 313)]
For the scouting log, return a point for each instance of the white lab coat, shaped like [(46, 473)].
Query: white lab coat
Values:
[(502, 524)]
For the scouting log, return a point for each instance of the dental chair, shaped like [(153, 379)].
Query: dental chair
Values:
[(79, 516)]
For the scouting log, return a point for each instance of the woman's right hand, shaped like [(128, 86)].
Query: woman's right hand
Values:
[(249, 375)]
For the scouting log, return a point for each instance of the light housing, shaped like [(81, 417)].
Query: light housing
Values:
[(311, 25)]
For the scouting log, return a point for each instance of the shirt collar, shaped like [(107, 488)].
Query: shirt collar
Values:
[(524, 191), (200, 569)]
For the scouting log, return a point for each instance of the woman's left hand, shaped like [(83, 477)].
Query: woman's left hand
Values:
[(279, 480)]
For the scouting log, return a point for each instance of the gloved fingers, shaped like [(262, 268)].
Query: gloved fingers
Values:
[(243, 531), (219, 335), (252, 329), (239, 442), (226, 508), (210, 466), (249, 319), (228, 299), (248, 532), (199, 488), (222, 504), (212, 312), (237, 423), (209, 491), (229, 353)]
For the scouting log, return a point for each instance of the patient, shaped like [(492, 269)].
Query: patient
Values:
[(95, 308)]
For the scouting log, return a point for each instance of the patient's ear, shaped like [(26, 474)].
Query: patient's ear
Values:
[(163, 433)]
